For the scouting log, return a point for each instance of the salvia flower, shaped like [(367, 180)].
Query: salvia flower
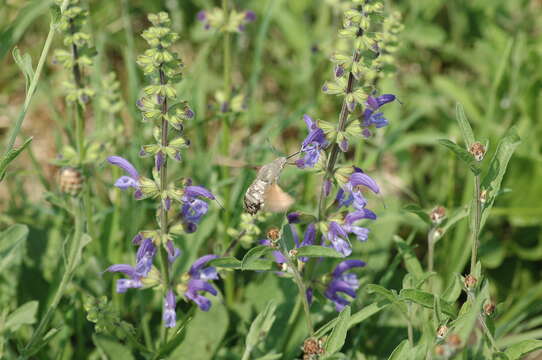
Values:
[(312, 145), (168, 315), (350, 193), (371, 116), (144, 261), (194, 207), (131, 180), (343, 282), (198, 283)]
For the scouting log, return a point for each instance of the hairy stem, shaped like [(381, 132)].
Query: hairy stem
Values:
[(163, 185), (302, 292), (476, 227), (73, 261), (334, 153)]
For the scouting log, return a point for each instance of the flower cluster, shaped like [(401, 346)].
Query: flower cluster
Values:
[(231, 22), (342, 282), (161, 108), (80, 51)]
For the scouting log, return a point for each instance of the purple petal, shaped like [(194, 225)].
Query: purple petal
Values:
[(123, 268), (125, 284), (357, 179), (201, 262), (310, 235), (294, 217), (358, 215), (250, 16), (203, 303), (172, 252), (201, 16), (194, 191), (124, 165), (384, 99), (310, 123), (125, 182), (341, 286), (201, 285), (347, 265), (209, 273)]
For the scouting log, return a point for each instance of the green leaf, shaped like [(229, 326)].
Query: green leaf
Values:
[(318, 251), (401, 351), (112, 348), (232, 263), (337, 338), (427, 300), (469, 314), (452, 293), (412, 263), (497, 168), (464, 125), (260, 328), (451, 220), (25, 64), (255, 254), (23, 315), (13, 245), (519, 350), (9, 156), (415, 209), (462, 155), (355, 319)]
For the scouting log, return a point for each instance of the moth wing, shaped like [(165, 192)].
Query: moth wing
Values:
[(276, 200)]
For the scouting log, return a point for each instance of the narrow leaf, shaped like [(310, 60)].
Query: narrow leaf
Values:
[(9, 156), (23, 315), (464, 125), (519, 350), (415, 209), (462, 155), (318, 251), (255, 254), (338, 334)]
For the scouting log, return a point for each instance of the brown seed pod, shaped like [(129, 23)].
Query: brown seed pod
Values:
[(70, 181), (478, 151), (470, 281), (273, 234), (312, 347), (437, 214)]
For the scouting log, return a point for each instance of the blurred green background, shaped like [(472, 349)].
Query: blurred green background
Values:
[(485, 54)]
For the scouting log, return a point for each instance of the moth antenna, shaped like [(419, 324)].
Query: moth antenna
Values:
[(383, 201), (292, 155), (219, 204)]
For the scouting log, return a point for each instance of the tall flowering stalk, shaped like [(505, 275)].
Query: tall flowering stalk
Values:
[(355, 77), (161, 108)]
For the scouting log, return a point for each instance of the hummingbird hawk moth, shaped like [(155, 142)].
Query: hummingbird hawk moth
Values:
[(264, 192)]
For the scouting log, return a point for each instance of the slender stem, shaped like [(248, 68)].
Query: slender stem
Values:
[(302, 292), (31, 88), (163, 186), (73, 261), (227, 55), (330, 167), (409, 324), (430, 249), (476, 230)]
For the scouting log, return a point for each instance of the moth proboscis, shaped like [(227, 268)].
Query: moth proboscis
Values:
[(265, 193)]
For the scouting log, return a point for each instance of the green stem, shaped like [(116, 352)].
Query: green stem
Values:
[(227, 55), (409, 324), (298, 279), (73, 261), (330, 167), (476, 228), (291, 324), (163, 186), (31, 88)]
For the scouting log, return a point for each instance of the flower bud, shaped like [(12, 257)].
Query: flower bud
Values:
[(273, 234), (437, 214), (312, 346), (470, 282), (489, 309), (442, 331), (454, 340), (70, 181)]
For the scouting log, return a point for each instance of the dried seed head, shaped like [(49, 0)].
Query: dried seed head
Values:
[(454, 340), (470, 281), (292, 253), (478, 151), (273, 234), (439, 350), (483, 196), (489, 308), (312, 346), (70, 181), (438, 233), (437, 214), (442, 331)]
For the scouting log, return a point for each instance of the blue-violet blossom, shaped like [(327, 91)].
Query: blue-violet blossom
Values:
[(341, 282), (311, 146), (199, 277)]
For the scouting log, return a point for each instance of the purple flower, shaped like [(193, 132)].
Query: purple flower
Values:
[(193, 207), (144, 258), (199, 282), (311, 146), (346, 283), (371, 116), (250, 16), (134, 282), (350, 194), (169, 316), (159, 160), (338, 237), (172, 252), (279, 258), (125, 182)]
